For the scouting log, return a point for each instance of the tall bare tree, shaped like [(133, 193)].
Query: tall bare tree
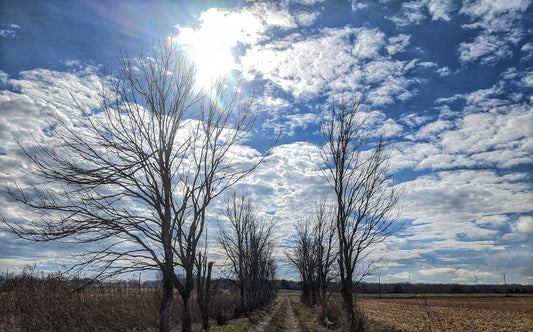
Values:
[(135, 177), (358, 171), (248, 243)]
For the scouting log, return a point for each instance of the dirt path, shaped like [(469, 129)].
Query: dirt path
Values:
[(281, 318), (290, 321)]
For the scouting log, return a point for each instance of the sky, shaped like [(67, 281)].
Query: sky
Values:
[(448, 82)]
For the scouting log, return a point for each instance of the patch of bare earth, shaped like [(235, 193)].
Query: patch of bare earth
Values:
[(281, 318), (453, 314)]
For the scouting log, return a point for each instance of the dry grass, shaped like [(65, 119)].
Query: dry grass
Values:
[(243, 324), (307, 317), (54, 303), (446, 313)]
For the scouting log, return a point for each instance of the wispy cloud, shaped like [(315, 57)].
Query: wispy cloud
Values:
[(501, 29), (9, 30), (414, 12)]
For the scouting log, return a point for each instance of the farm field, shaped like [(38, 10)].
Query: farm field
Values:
[(452, 313)]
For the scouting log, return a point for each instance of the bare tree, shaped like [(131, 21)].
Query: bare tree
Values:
[(203, 285), (358, 172), (248, 243), (325, 236), (137, 175), (302, 258), (314, 253)]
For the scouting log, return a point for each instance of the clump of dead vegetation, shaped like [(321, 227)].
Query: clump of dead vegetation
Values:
[(34, 301)]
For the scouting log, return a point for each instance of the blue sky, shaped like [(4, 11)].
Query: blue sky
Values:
[(448, 82)]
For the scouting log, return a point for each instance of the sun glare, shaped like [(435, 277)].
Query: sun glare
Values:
[(212, 44)]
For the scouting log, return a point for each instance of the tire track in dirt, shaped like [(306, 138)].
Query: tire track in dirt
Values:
[(290, 320), (281, 318), (264, 324)]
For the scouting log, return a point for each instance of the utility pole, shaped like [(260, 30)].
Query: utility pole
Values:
[(505, 283), (379, 281)]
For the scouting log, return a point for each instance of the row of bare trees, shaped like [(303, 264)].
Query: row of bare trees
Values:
[(134, 178), (338, 243)]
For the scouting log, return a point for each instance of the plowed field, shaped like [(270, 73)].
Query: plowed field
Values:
[(452, 313)]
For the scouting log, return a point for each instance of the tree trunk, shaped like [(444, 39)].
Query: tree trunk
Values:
[(166, 306), (186, 319), (203, 288), (355, 319)]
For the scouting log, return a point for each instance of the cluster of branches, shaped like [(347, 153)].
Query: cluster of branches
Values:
[(249, 245), (314, 254), (135, 177)]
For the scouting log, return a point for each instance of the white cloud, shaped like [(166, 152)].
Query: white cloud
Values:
[(432, 129), (452, 274), (270, 104), (274, 16), (528, 79), (9, 30), (398, 43), (306, 18), (42, 93), (288, 184), (300, 66), (4, 77), (528, 49), (368, 43), (501, 27), (493, 129), (292, 122), (525, 224), (449, 203), (413, 12), (377, 124), (495, 220), (440, 9), (516, 264), (444, 71), (356, 5), (488, 48), (309, 2), (333, 61), (483, 8)]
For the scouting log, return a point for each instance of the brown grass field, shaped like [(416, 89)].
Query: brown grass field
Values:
[(52, 303), (452, 313)]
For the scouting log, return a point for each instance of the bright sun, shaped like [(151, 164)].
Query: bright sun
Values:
[(211, 45)]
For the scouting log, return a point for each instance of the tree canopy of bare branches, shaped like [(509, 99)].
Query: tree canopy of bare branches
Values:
[(366, 199), (135, 177), (249, 246)]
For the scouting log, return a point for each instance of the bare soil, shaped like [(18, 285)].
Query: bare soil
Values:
[(281, 318), (452, 313)]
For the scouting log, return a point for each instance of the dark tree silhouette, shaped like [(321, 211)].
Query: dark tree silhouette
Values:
[(249, 246), (137, 175), (358, 172)]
